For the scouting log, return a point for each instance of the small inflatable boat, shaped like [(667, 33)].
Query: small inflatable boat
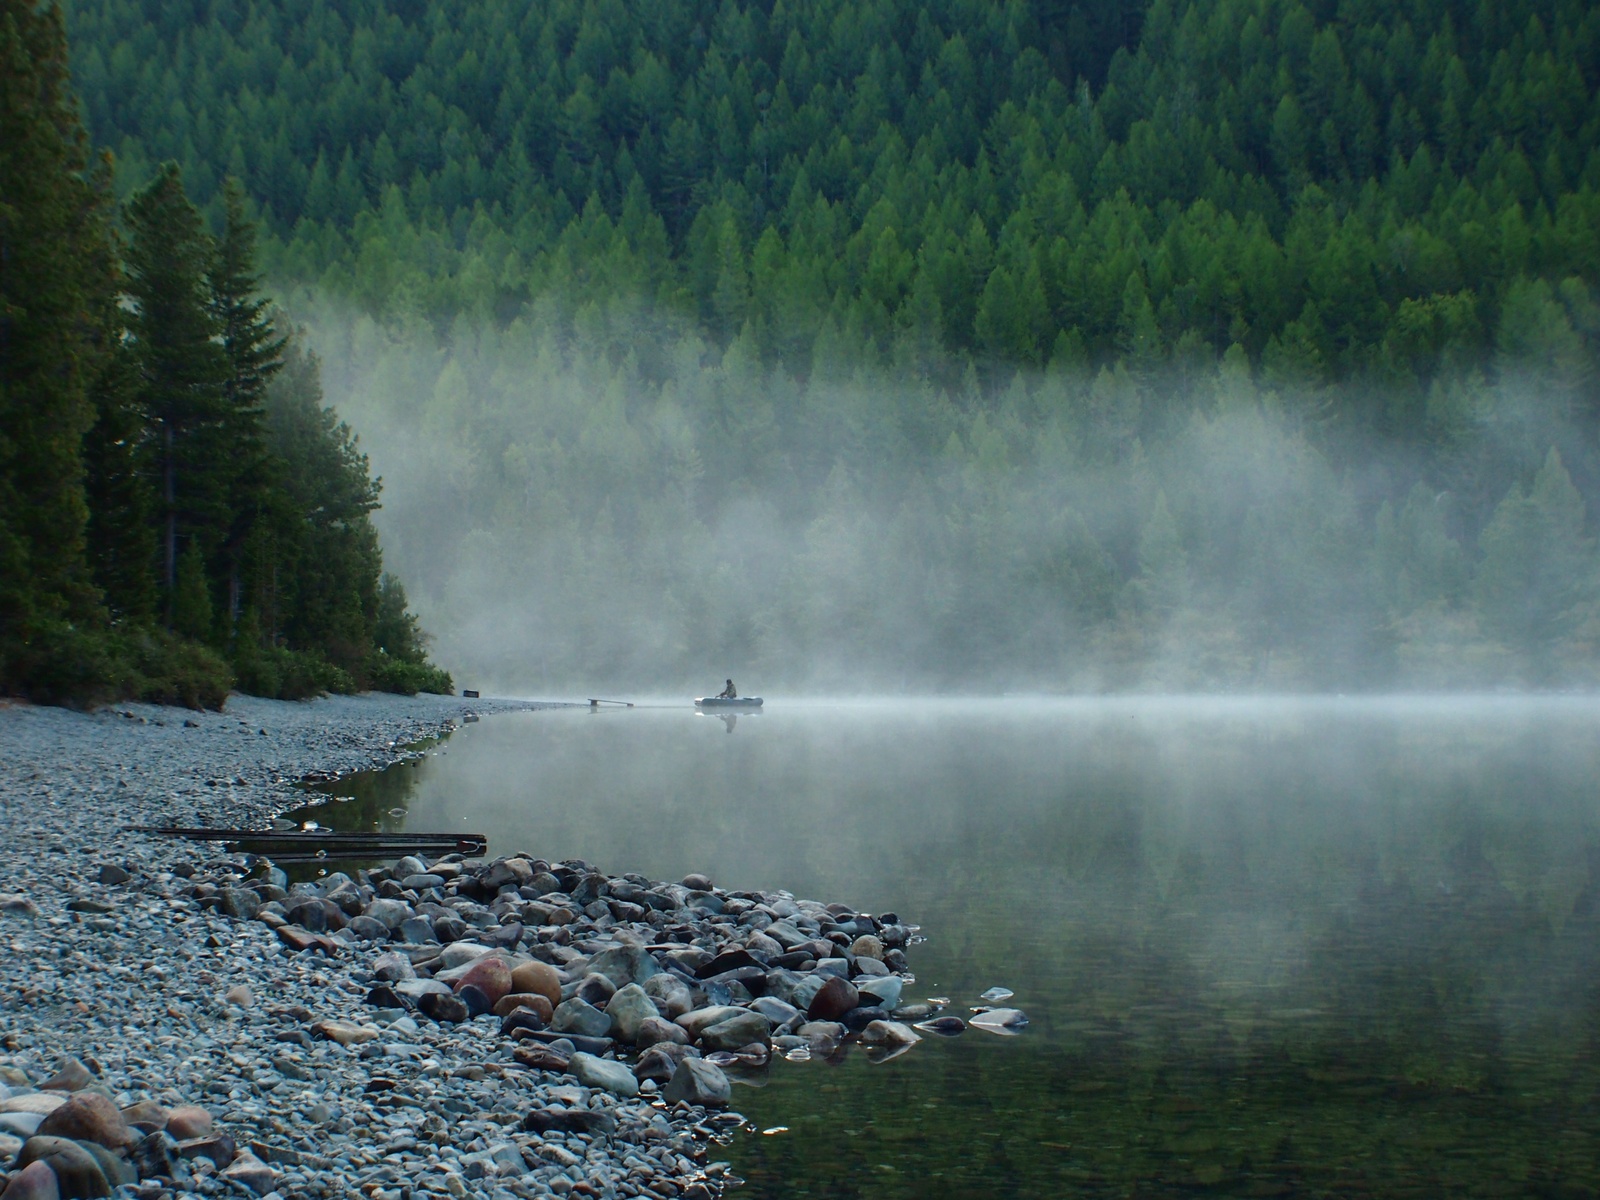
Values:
[(722, 702)]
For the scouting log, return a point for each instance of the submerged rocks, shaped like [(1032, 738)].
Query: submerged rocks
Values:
[(1000, 1020)]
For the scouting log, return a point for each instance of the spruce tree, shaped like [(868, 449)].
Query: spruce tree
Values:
[(254, 351), (55, 289), (183, 368)]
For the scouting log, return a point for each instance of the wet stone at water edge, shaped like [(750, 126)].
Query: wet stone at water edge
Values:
[(622, 1009)]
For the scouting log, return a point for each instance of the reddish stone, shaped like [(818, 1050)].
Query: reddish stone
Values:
[(836, 997), (509, 1004), (537, 977), (489, 974), (36, 1181), (189, 1121), (89, 1117)]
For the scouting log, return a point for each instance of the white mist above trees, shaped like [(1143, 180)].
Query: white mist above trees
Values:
[(609, 501)]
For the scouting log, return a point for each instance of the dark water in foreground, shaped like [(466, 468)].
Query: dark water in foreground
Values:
[(1268, 948)]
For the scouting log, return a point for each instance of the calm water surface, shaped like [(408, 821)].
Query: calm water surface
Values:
[(1295, 947)]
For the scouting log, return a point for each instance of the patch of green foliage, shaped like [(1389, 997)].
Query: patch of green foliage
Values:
[(174, 493), (84, 667)]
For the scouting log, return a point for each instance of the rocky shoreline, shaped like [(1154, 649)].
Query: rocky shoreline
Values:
[(507, 1029)]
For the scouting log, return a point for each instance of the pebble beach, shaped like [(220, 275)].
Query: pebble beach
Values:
[(176, 1020)]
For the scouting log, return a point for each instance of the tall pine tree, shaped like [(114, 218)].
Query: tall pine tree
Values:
[(254, 351), (183, 367), (56, 287)]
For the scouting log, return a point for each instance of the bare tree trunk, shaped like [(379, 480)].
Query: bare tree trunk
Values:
[(169, 494)]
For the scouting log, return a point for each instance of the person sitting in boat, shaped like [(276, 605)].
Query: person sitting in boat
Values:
[(729, 692)]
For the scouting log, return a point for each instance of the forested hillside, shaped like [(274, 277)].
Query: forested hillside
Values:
[(178, 508), (1229, 341)]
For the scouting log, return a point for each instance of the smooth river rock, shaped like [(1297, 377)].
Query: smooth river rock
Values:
[(71, 1076), (694, 1023), (581, 1017), (736, 1032), (652, 1031), (538, 978), (36, 1181), (77, 1173), (624, 965), (490, 974), (89, 1117), (834, 998), (628, 1010), (529, 1000), (697, 1082), (189, 1121), (603, 1073)]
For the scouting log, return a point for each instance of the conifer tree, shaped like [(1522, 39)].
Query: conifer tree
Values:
[(56, 284), (183, 367), (254, 351)]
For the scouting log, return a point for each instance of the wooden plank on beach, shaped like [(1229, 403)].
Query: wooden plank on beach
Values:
[(341, 845)]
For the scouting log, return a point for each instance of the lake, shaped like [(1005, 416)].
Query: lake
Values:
[(1267, 947)]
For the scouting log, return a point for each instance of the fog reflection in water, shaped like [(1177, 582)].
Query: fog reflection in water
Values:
[(1266, 947)]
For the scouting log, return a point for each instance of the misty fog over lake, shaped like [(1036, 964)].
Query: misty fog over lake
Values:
[(1266, 946)]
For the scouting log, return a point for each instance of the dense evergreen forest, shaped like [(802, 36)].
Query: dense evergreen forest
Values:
[(179, 511), (1224, 342)]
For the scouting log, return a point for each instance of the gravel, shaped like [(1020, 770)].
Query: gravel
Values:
[(167, 1001)]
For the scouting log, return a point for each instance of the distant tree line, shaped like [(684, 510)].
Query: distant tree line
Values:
[(1346, 192), (179, 511), (1229, 340)]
